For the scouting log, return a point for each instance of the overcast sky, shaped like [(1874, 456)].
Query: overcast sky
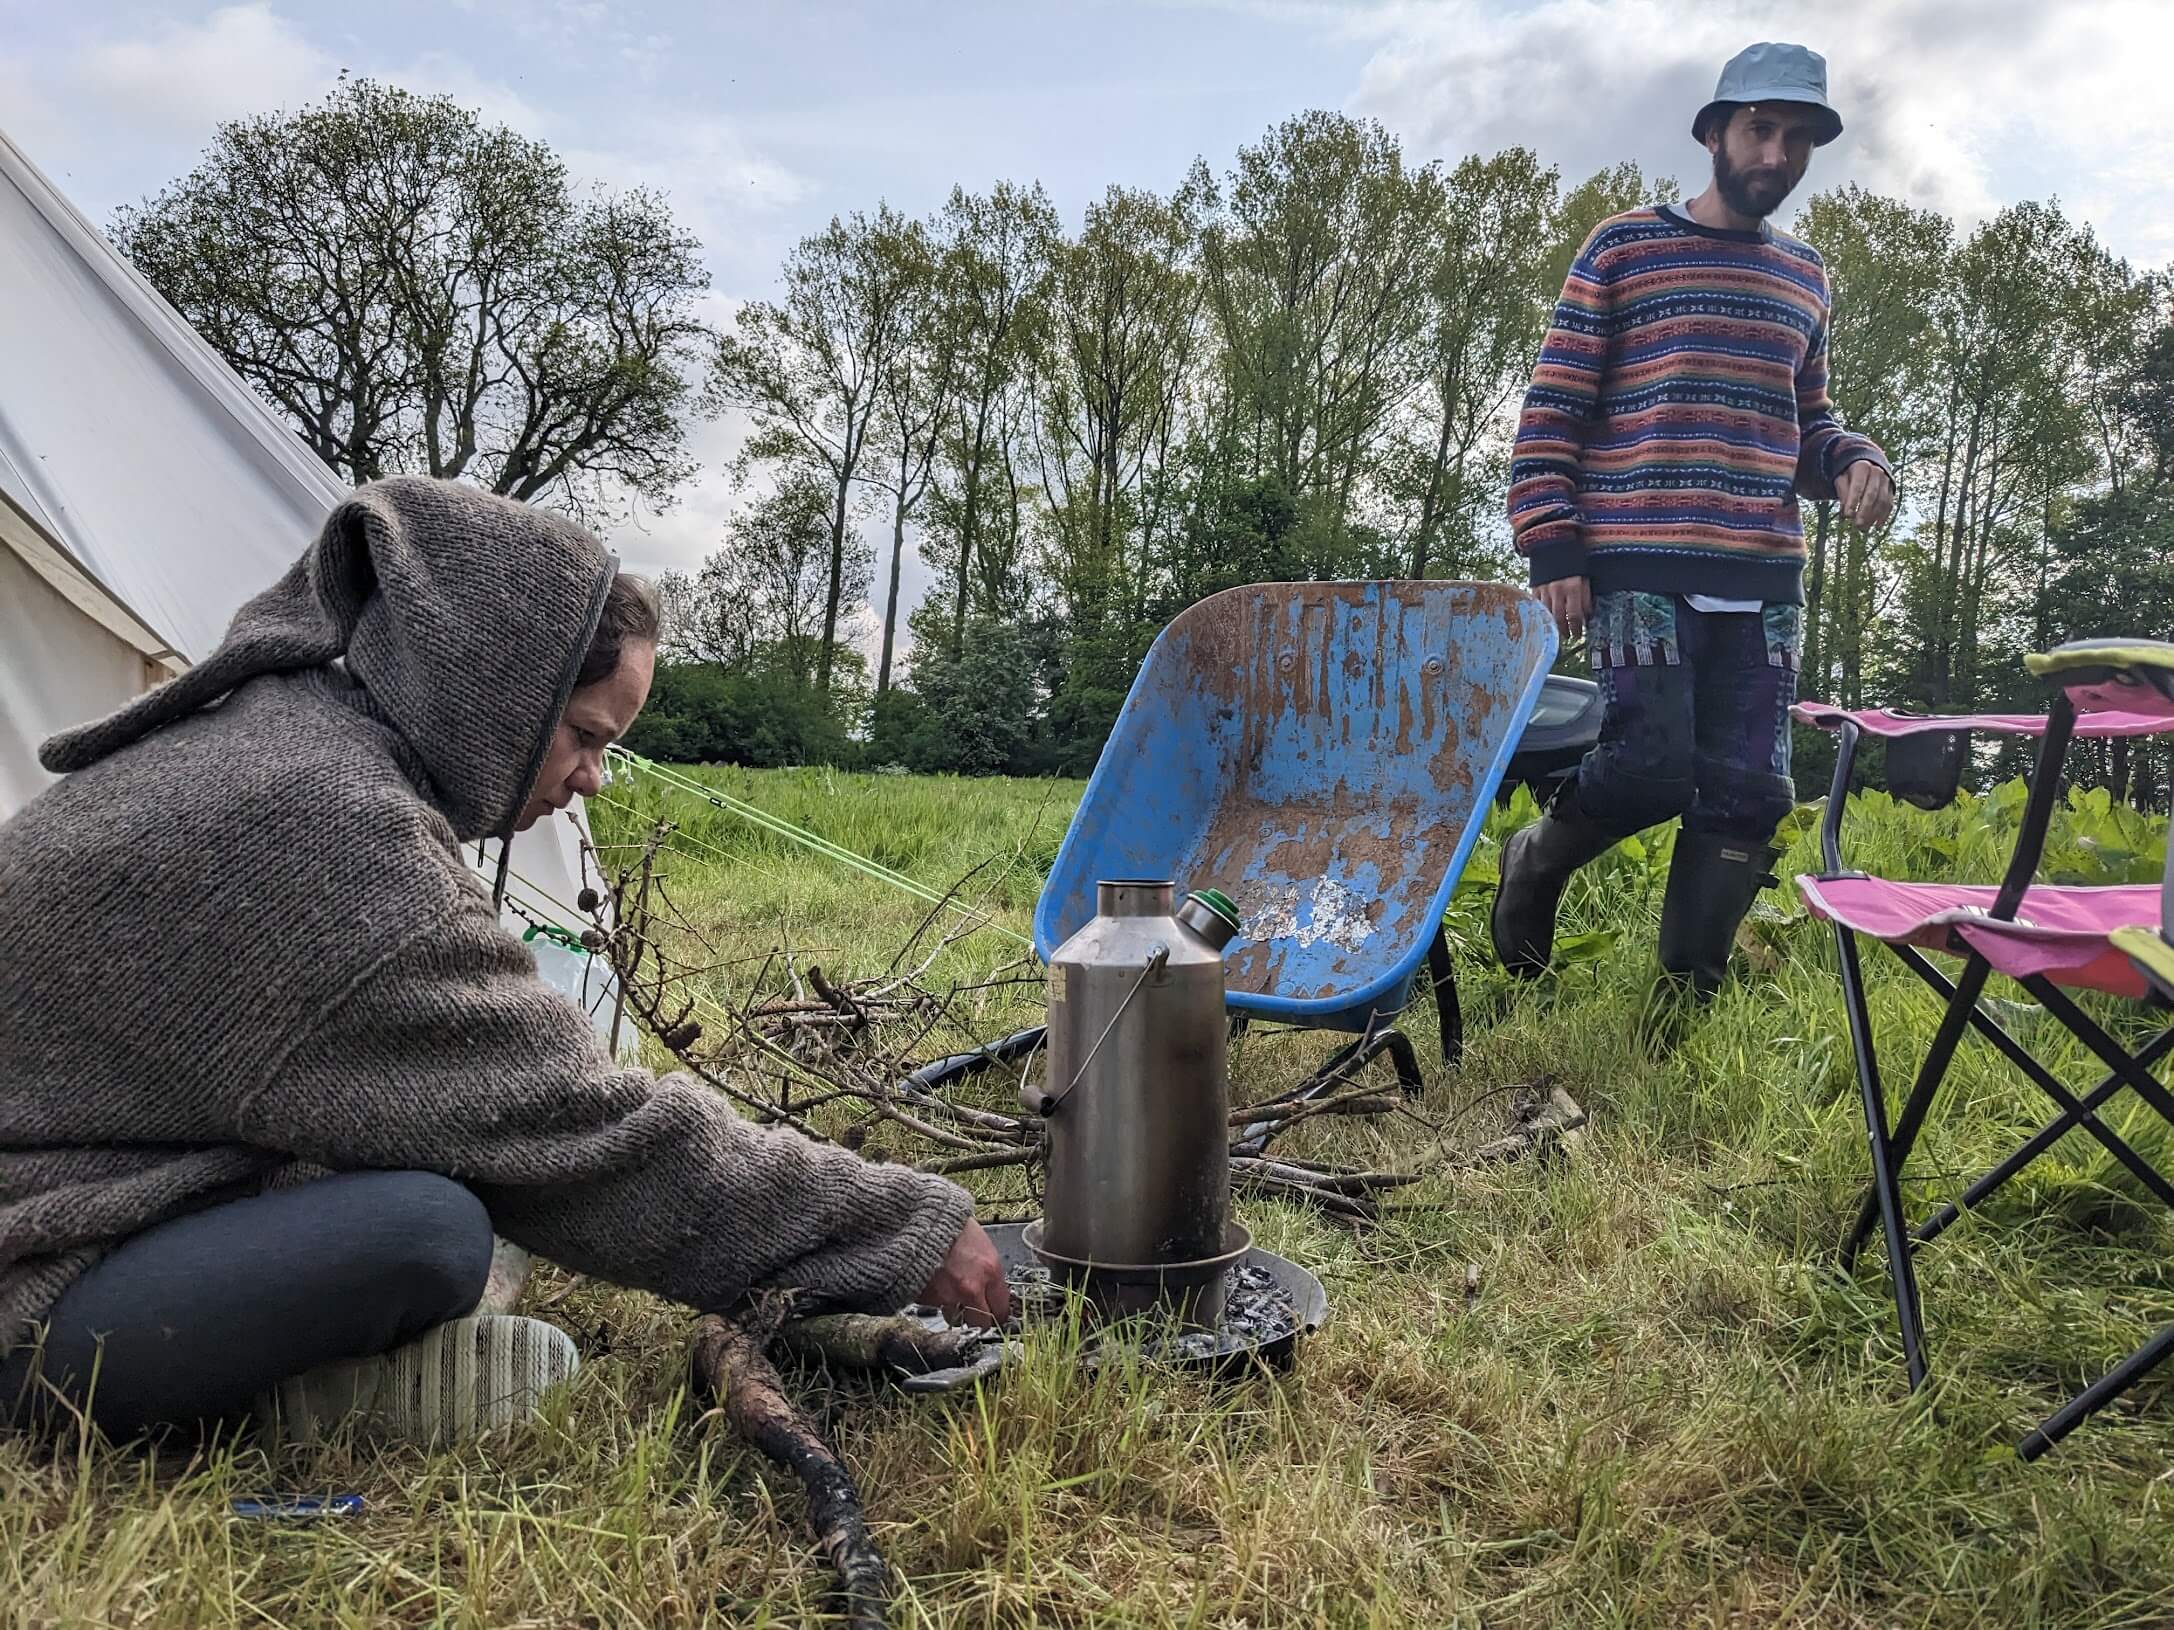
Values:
[(762, 120)]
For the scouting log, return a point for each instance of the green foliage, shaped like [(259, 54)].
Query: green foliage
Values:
[(966, 715), (765, 715)]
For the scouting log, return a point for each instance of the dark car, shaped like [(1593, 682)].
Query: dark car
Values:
[(1565, 723)]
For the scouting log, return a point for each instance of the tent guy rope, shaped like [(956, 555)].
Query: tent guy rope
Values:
[(796, 834)]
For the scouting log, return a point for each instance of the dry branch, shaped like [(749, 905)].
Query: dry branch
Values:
[(730, 1367), (872, 1341), (803, 1039)]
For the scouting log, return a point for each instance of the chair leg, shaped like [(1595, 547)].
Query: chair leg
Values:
[(2097, 1395), (1447, 1008), (2110, 1052), (1930, 1074), (2077, 1113), (1902, 1271), (2083, 1115)]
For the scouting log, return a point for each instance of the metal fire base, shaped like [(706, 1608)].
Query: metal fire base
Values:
[(1224, 1352)]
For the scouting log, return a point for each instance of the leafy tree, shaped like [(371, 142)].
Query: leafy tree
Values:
[(1887, 267), (765, 594), (970, 714), (1317, 266), (810, 368), (1490, 300), (913, 397), (2011, 434), (758, 714), (992, 283), (418, 291), (1122, 338)]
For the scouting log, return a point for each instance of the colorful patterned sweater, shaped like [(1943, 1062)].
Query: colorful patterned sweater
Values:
[(1678, 409)]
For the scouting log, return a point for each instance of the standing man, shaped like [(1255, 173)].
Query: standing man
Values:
[(1678, 410)]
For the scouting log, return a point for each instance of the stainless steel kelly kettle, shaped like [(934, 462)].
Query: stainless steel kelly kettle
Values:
[(1137, 1100)]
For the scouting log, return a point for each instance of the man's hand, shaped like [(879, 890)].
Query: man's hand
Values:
[(1867, 494), (968, 1284), (1570, 601)]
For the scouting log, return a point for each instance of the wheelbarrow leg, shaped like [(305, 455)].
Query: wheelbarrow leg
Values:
[(1340, 1067), (1443, 973)]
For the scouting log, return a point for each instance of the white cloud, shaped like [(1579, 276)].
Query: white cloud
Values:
[(1961, 107), (182, 78), (166, 89), (438, 73), (703, 162), (732, 196)]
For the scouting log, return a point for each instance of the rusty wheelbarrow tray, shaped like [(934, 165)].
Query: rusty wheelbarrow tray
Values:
[(1325, 754)]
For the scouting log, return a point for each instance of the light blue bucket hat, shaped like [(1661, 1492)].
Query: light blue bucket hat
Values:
[(1772, 73)]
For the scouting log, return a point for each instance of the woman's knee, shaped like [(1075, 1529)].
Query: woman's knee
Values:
[(429, 1238)]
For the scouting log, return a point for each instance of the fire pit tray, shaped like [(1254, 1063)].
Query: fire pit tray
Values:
[(1230, 1351)]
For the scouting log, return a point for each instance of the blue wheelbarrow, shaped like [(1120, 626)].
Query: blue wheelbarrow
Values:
[(1323, 753)]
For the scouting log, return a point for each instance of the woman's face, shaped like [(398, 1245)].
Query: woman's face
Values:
[(597, 716)]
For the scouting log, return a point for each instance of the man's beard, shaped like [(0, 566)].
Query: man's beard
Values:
[(1755, 194)]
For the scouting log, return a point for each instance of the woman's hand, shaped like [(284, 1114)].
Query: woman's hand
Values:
[(968, 1284)]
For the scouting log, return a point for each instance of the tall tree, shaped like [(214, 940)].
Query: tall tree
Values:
[(418, 291), (1317, 268), (2011, 431), (810, 368), (1490, 299), (1123, 329), (991, 281), (763, 596), (913, 397), (1887, 265)]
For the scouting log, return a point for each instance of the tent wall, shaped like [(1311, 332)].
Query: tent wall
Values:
[(57, 668)]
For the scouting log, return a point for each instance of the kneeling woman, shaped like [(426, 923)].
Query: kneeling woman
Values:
[(272, 1075)]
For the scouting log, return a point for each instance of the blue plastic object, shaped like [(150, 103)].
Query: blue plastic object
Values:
[(1323, 753), (298, 1507)]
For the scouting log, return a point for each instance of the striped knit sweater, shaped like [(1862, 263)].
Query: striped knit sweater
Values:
[(1678, 410)]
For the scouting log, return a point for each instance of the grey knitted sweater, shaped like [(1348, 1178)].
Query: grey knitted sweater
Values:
[(242, 945)]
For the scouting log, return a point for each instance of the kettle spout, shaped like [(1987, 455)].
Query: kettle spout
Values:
[(1211, 916)]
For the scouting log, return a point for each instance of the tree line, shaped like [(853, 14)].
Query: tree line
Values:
[(1307, 365)]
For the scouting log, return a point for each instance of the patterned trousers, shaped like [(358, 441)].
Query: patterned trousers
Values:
[(1697, 716)]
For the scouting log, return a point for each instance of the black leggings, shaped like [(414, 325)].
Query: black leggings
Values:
[(188, 1321)]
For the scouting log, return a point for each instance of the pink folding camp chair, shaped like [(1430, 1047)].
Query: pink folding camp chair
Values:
[(2048, 938)]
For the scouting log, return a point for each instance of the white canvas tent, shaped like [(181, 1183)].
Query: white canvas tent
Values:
[(145, 493)]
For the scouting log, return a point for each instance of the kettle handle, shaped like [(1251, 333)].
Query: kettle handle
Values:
[(1045, 1104)]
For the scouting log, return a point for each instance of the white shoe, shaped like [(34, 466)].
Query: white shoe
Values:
[(452, 1384)]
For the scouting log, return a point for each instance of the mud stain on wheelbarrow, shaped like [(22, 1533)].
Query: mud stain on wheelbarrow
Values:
[(1314, 883)]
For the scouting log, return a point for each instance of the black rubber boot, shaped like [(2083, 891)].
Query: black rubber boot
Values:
[(1711, 884), (1536, 863)]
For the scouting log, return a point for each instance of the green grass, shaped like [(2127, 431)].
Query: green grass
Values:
[(1661, 1409)]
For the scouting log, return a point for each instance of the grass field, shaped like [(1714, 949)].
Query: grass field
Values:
[(1661, 1409)]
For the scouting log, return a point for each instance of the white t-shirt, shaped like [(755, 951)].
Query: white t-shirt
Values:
[(1708, 602)]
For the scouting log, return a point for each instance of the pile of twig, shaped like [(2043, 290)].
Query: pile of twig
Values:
[(839, 1058)]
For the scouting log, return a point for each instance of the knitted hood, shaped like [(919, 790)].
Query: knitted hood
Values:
[(465, 617)]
